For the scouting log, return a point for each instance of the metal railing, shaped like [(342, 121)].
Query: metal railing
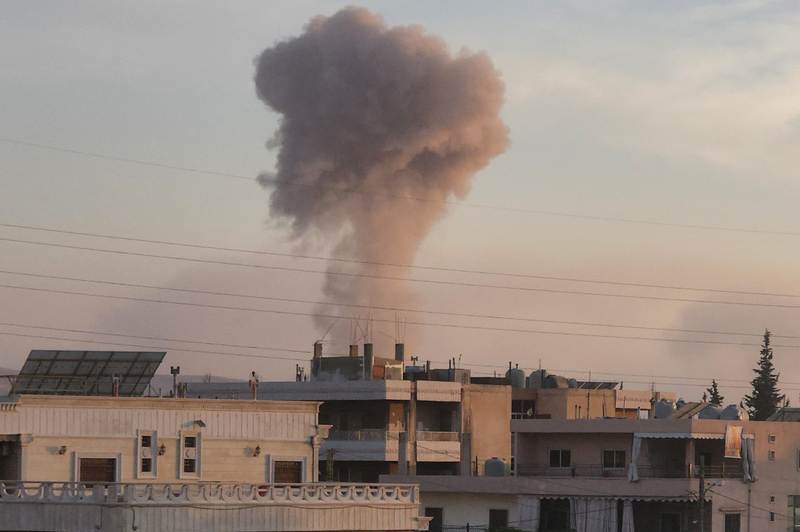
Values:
[(363, 435), (576, 470), (720, 471), (645, 471), (429, 435)]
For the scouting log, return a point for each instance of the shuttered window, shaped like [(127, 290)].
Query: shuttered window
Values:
[(288, 472), (98, 470)]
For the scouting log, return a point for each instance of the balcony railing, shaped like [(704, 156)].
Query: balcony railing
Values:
[(576, 470), (363, 435), (721, 471), (428, 435), (212, 493), (645, 471)]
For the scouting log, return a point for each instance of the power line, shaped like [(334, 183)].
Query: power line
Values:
[(390, 278), (408, 198), (372, 307), (61, 339), (408, 266), (264, 348), (423, 324)]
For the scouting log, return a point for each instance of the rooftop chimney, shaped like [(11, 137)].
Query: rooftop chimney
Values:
[(317, 349), (354, 350), (369, 362), (175, 370), (400, 352)]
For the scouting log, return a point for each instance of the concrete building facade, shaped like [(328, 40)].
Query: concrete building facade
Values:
[(78, 463), (606, 475)]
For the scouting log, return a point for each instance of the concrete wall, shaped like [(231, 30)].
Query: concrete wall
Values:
[(535, 448), (93, 427), (486, 414), (460, 509)]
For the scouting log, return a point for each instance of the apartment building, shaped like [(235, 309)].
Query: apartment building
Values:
[(74, 462), (387, 417), (601, 475)]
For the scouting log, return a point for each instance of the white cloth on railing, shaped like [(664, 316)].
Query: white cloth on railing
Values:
[(749, 460), (593, 515), (529, 513), (627, 516), (633, 469)]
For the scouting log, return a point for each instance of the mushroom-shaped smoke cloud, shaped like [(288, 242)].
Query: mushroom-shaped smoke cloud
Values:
[(379, 127)]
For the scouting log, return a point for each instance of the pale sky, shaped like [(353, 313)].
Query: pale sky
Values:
[(680, 113)]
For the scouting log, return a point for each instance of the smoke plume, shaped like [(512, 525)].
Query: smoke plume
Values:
[(372, 115)]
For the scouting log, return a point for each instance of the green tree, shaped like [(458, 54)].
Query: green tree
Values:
[(713, 394), (766, 397)]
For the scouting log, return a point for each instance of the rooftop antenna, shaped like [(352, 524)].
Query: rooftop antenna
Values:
[(399, 329), (330, 328), (369, 327)]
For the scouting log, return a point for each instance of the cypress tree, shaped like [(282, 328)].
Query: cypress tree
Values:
[(713, 394), (766, 397)]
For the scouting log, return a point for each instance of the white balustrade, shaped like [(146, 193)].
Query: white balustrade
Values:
[(136, 494)]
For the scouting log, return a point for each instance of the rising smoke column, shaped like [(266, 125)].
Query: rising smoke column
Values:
[(382, 113)]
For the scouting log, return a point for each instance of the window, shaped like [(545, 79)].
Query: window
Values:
[(191, 449), (146, 454), (773, 438), (288, 472), (436, 523), (98, 470), (613, 459), (498, 519), (96, 467), (771, 499), (772, 516), (771, 454), (560, 458), (733, 523)]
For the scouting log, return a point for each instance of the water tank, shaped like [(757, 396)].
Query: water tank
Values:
[(517, 377), (536, 379), (494, 467), (555, 381), (733, 412), (572, 383), (663, 409), (710, 412)]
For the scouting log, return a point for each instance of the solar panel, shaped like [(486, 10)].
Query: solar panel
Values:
[(87, 372)]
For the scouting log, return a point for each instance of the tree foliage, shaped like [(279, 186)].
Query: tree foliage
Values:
[(766, 397), (713, 394)]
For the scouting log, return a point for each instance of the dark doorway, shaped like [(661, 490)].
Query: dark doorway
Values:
[(10, 454), (436, 523), (733, 522), (670, 522), (498, 519)]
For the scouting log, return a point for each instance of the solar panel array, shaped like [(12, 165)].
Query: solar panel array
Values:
[(87, 373)]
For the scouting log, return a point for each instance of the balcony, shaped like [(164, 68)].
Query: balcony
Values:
[(438, 446), (363, 435), (68, 507), (645, 471), (366, 445), (436, 436)]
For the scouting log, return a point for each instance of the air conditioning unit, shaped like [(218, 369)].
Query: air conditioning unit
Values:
[(146, 452)]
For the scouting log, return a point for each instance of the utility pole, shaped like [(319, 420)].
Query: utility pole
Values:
[(701, 491)]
